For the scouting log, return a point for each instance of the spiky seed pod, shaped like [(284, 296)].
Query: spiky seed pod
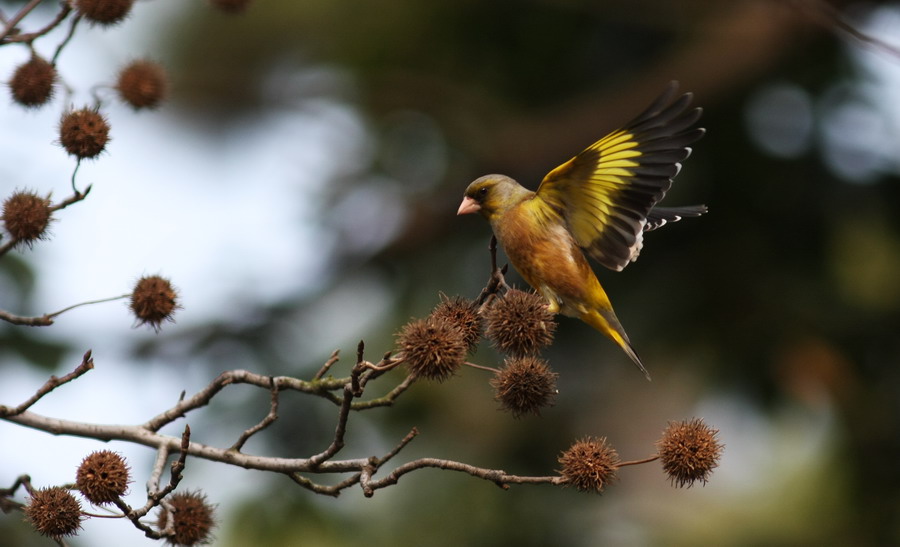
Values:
[(432, 348), (153, 301), (193, 519), (26, 216), (83, 133), (142, 84), (689, 451), (518, 323), (590, 464), (102, 477), (230, 6), (525, 385), (104, 12), (32, 82), (460, 312), (54, 512)]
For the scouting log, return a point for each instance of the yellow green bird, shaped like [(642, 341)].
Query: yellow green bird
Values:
[(600, 202)]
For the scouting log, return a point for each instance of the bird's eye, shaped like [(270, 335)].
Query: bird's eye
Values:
[(482, 191)]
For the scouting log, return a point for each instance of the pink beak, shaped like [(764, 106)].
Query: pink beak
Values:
[(467, 206)]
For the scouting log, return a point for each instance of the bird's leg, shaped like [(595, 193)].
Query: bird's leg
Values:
[(497, 280), (497, 274)]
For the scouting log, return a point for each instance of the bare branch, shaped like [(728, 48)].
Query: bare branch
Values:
[(175, 472), (828, 16), (497, 279), (388, 399), (74, 198), (42, 321), (8, 37), (400, 446), (333, 490), (11, 24), (497, 476), (351, 389), (47, 319), (154, 495), (59, 49), (266, 422), (321, 387), (639, 462), (335, 356), (6, 504), (87, 363), (162, 456)]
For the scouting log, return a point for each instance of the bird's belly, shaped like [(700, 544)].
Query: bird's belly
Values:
[(554, 265)]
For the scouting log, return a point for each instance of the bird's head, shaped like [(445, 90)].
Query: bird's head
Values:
[(492, 195)]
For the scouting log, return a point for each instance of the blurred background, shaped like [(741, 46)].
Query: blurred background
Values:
[(300, 190)]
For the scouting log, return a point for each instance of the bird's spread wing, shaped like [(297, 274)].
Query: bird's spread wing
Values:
[(606, 192), (660, 216)]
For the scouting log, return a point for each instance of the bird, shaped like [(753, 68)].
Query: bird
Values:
[(598, 203)]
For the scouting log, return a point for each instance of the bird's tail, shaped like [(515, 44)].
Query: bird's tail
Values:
[(606, 322)]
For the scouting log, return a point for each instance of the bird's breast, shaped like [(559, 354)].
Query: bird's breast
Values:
[(545, 254)]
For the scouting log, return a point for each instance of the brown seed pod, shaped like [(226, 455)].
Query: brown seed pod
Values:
[(193, 519), (590, 464), (26, 216), (102, 477), (525, 385), (689, 451), (518, 323), (462, 313), (432, 348), (32, 82), (142, 84), (54, 512), (153, 301), (104, 12), (83, 133)]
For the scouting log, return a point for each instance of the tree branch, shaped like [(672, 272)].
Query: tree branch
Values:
[(497, 476), (361, 470), (87, 363), (11, 24)]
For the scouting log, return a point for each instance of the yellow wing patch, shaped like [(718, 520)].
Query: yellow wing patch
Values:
[(606, 192)]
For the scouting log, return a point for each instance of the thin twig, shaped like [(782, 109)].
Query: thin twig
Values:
[(129, 513), (155, 497), (413, 433), (388, 399), (75, 197), (6, 504), (482, 367), (88, 303), (321, 387), (384, 366), (59, 48), (87, 363), (497, 476), (829, 17), (64, 10), (25, 321), (266, 422), (162, 456), (333, 490), (11, 24), (335, 356), (639, 462), (350, 391), (47, 319), (497, 279)]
